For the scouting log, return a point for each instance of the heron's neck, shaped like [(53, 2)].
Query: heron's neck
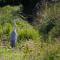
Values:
[(14, 29)]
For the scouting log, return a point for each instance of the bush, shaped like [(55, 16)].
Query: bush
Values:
[(28, 34), (55, 32), (7, 28), (26, 31)]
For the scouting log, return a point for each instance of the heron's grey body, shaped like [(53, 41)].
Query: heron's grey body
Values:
[(13, 36)]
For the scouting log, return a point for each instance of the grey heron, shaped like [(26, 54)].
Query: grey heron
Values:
[(13, 35)]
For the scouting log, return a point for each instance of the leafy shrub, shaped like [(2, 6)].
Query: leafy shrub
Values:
[(55, 32), (26, 31), (47, 25), (7, 28), (28, 34)]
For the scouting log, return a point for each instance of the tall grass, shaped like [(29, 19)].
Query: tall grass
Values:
[(30, 48)]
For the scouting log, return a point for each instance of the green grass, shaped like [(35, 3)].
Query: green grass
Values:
[(30, 50), (10, 54), (29, 45)]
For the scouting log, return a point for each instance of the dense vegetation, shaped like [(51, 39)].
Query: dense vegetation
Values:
[(38, 39)]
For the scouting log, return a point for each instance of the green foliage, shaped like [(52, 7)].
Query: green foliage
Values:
[(31, 48), (32, 51), (53, 53), (7, 28), (28, 34), (55, 32), (24, 30), (49, 21)]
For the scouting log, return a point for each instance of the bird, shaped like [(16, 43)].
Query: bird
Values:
[(13, 35)]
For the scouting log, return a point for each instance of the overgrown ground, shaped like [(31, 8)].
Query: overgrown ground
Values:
[(29, 45), (31, 51)]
